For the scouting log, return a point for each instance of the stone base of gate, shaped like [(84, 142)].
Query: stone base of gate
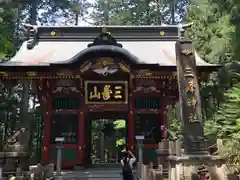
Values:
[(187, 167)]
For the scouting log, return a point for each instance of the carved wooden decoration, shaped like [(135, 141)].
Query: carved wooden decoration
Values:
[(124, 67), (145, 86), (104, 66), (86, 66), (146, 89), (144, 73), (65, 86), (64, 72)]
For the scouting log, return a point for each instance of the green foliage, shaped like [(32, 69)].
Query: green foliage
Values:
[(7, 32), (215, 34), (138, 12), (120, 128), (64, 12), (175, 124), (212, 32), (114, 134), (225, 123), (231, 152), (119, 124)]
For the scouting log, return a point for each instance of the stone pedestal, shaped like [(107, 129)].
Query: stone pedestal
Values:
[(144, 172), (163, 152), (2, 163), (186, 167), (15, 160)]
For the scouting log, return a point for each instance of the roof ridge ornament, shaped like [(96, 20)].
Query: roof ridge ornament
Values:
[(32, 31), (105, 38)]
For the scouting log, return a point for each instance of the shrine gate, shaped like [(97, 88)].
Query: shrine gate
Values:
[(99, 87)]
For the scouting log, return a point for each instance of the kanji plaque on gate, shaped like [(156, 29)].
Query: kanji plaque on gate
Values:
[(106, 92)]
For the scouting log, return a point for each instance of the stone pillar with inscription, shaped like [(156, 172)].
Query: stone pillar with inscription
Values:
[(189, 99), (195, 151)]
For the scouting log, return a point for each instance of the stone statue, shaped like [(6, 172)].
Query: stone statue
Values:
[(18, 142)]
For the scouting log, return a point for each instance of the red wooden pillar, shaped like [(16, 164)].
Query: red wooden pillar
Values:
[(131, 132), (131, 123), (81, 137), (47, 127)]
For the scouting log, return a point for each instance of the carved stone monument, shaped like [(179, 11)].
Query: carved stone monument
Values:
[(189, 99), (195, 152)]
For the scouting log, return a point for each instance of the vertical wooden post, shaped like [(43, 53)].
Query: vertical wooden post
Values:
[(131, 132), (165, 121), (47, 127), (164, 118), (131, 123), (81, 137)]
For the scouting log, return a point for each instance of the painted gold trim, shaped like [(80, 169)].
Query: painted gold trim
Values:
[(31, 73), (106, 82), (41, 77)]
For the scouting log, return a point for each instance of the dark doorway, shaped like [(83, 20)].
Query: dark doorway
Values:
[(107, 135)]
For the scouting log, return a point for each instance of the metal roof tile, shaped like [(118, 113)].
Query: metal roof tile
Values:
[(48, 52)]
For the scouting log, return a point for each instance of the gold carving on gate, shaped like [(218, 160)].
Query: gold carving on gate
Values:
[(144, 73), (118, 91), (187, 52), (104, 66), (106, 92), (86, 66), (95, 93), (65, 86), (174, 73), (64, 72), (2, 73), (104, 61), (31, 73), (123, 67)]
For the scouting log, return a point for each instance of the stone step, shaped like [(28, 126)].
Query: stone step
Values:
[(105, 166), (98, 174), (81, 178), (165, 173), (94, 174)]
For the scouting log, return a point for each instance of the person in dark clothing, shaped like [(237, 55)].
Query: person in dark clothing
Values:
[(120, 154), (127, 164)]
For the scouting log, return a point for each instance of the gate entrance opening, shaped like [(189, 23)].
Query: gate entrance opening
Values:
[(107, 136)]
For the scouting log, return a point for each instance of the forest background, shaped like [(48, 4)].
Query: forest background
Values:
[(215, 33)]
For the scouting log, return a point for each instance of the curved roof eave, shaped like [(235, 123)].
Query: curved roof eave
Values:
[(46, 53), (94, 50)]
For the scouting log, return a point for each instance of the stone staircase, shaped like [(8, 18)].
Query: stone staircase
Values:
[(94, 174), (103, 174), (165, 173)]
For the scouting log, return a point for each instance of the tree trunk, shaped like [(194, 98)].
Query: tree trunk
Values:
[(24, 122), (173, 12)]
